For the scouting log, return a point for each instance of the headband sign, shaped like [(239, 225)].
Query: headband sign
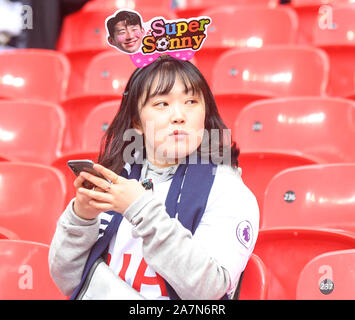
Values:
[(145, 42)]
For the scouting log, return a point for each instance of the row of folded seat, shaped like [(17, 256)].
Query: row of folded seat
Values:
[(307, 222), (287, 263), (71, 72), (242, 77), (272, 134)]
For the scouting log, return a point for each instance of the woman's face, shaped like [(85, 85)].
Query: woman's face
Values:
[(172, 124)]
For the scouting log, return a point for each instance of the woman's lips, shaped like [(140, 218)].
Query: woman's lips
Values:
[(179, 134)]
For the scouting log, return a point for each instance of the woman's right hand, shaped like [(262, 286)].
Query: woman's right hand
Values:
[(81, 207)]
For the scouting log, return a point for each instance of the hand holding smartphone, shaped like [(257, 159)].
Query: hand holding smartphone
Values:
[(85, 165)]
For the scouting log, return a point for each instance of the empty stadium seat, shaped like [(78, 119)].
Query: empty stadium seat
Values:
[(312, 196), (244, 27), (105, 79), (247, 75), (259, 167), (255, 280), (107, 74), (31, 131), (338, 40), (113, 5), (25, 273), (35, 74), (194, 8), (286, 251), (329, 276), (32, 199), (61, 164), (82, 37), (322, 129), (97, 122), (272, 71), (310, 12)]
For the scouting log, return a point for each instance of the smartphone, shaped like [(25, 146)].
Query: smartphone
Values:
[(85, 165)]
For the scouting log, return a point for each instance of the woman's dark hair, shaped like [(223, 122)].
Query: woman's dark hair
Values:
[(140, 88), (131, 19)]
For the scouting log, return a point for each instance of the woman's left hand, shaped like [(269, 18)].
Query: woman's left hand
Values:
[(117, 196)]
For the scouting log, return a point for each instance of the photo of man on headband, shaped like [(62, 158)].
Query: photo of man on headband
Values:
[(125, 31)]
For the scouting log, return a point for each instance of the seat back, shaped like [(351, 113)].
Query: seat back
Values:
[(32, 200), (194, 8), (31, 131), (108, 73), (113, 5), (329, 276), (256, 27), (255, 283), (273, 71), (24, 272), (258, 168), (97, 122), (312, 196), (312, 14), (320, 128), (336, 38), (285, 252), (84, 31), (35, 74)]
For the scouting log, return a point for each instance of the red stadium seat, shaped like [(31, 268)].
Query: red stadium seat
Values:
[(32, 199), (31, 131), (321, 129), (309, 12), (258, 168), (255, 280), (107, 74), (312, 196), (105, 79), (272, 71), (97, 123), (61, 165), (338, 40), (244, 27), (83, 35), (329, 276), (243, 76), (194, 8), (24, 272), (286, 251), (113, 5), (35, 74)]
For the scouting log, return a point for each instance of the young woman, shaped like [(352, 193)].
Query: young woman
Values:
[(192, 235)]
